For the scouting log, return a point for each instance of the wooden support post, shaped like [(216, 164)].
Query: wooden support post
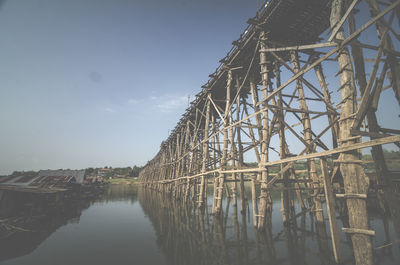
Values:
[(387, 193), (376, 151), (243, 198), (220, 189), (354, 178), (282, 149), (265, 79), (214, 145), (205, 157), (305, 118), (232, 152), (321, 79), (393, 62), (257, 153)]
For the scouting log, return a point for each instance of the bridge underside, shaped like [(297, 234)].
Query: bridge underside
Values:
[(307, 89)]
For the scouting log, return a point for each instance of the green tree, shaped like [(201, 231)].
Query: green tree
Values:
[(135, 171)]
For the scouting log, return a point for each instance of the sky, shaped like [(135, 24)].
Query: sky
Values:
[(92, 83)]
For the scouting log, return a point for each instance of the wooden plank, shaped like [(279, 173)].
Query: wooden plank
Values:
[(369, 134), (358, 231), (385, 140), (300, 110), (300, 47), (351, 195)]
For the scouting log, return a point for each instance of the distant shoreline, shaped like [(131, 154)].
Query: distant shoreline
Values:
[(123, 181)]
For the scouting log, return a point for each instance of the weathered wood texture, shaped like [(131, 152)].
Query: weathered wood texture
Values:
[(265, 117)]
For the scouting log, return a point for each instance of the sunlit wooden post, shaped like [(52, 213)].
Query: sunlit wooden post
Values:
[(205, 156), (355, 181), (264, 194), (221, 182)]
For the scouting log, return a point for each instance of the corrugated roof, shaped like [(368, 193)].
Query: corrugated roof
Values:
[(46, 181), (79, 175)]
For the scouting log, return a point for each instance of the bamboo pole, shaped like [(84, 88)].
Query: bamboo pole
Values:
[(305, 118), (220, 187), (243, 198), (205, 157), (232, 149), (321, 79), (264, 194), (387, 44), (330, 205), (282, 148)]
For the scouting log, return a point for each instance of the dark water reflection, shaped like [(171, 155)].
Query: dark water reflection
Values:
[(130, 225)]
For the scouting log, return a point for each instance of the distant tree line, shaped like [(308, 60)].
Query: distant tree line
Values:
[(107, 171)]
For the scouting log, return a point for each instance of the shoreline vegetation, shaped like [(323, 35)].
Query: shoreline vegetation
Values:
[(123, 181), (90, 175)]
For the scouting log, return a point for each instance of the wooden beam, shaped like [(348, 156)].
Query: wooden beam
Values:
[(300, 47), (337, 27), (327, 55), (358, 231), (385, 140)]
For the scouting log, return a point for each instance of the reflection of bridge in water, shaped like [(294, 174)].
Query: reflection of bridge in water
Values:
[(291, 101), (28, 219), (189, 235)]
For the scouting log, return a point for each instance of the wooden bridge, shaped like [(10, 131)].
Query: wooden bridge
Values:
[(292, 107)]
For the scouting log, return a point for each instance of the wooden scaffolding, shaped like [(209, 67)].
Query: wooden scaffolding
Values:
[(298, 93)]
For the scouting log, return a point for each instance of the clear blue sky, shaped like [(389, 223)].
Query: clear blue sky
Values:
[(90, 83)]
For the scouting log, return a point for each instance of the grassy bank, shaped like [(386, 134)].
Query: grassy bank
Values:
[(126, 181)]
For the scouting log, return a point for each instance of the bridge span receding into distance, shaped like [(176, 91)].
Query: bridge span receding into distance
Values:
[(308, 89)]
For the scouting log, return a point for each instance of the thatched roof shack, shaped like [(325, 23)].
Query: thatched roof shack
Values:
[(45, 181), (78, 175)]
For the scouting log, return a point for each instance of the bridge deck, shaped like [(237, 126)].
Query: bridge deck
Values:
[(287, 22)]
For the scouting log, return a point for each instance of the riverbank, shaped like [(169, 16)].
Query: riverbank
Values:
[(124, 181)]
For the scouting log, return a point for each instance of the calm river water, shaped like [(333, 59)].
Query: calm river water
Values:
[(129, 225)]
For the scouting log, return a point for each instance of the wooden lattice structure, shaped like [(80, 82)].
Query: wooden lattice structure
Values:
[(270, 102)]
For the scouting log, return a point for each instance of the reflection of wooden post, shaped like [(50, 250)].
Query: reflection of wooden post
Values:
[(244, 238), (203, 238), (355, 181), (266, 238), (237, 233), (330, 205), (220, 240), (323, 244)]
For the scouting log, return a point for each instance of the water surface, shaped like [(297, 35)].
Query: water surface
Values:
[(130, 225)]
